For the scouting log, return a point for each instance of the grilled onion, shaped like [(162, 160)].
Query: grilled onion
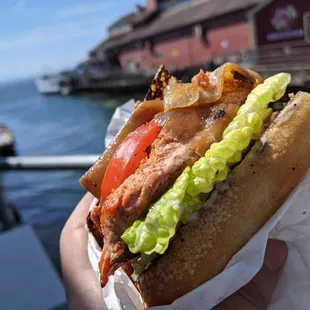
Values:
[(207, 88)]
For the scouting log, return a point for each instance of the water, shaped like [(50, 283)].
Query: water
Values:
[(53, 125)]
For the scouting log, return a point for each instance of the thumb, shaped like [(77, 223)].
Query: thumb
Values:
[(257, 294)]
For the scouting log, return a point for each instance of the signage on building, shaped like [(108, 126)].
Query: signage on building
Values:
[(281, 21), (284, 22)]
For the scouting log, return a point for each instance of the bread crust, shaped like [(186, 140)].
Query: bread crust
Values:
[(238, 208)]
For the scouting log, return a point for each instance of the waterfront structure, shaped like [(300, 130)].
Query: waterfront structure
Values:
[(192, 33)]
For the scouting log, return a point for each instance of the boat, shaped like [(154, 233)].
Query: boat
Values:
[(54, 84), (48, 84)]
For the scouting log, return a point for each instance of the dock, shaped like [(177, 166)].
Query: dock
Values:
[(122, 82)]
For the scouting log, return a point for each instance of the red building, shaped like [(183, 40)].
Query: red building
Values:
[(179, 33), (187, 33)]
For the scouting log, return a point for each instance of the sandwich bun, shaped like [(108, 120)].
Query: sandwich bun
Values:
[(236, 210)]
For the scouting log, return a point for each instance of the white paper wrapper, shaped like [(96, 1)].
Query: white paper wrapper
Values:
[(291, 223)]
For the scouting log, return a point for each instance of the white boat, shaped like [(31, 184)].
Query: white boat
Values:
[(54, 84), (48, 84)]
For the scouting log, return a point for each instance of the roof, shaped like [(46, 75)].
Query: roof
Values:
[(259, 7), (143, 16), (126, 19), (138, 16), (186, 15)]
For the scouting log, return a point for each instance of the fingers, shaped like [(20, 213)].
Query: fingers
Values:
[(74, 238), (264, 283), (79, 214), (82, 286), (257, 294)]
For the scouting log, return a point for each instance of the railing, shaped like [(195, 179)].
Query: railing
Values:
[(292, 57), (288, 55), (47, 162), (37, 163)]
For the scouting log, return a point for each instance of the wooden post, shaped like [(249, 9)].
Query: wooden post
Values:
[(7, 217)]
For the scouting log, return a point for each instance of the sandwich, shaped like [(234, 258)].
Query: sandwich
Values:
[(193, 175)]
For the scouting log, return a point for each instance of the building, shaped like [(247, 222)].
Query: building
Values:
[(179, 33), (281, 33), (264, 34)]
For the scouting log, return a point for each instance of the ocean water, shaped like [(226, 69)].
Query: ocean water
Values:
[(52, 125)]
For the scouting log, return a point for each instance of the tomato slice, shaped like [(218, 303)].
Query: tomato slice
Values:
[(128, 156)]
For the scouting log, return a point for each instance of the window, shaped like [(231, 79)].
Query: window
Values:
[(158, 55), (307, 26)]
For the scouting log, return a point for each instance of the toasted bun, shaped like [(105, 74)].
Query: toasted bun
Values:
[(236, 210)]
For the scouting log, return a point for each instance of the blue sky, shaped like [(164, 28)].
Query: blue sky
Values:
[(39, 36)]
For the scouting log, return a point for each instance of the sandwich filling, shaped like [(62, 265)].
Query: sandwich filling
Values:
[(184, 137), (188, 194), (162, 173)]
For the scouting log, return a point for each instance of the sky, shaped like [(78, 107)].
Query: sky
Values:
[(41, 36)]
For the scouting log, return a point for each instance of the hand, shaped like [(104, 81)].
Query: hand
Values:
[(82, 286), (257, 294)]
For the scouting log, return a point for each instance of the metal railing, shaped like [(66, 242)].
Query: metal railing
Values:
[(37, 163), (67, 162)]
